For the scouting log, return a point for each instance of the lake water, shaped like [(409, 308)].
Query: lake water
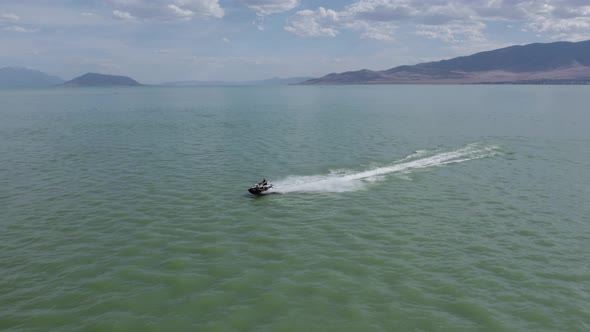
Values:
[(395, 208)]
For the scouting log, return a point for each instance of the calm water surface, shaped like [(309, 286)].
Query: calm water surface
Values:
[(395, 208)]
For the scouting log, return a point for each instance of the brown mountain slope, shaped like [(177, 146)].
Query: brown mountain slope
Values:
[(555, 63)]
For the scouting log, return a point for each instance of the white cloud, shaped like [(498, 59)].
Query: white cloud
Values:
[(373, 30), (123, 15), (187, 13), (314, 23), (370, 18), (447, 20), (433, 12), (559, 20), (500, 9), (455, 32), (267, 7), (166, 10), (9, 17), (18, 28)]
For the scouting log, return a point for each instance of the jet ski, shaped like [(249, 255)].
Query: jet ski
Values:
[(259, 188)]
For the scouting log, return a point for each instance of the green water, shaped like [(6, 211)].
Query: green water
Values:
[(395, 208)]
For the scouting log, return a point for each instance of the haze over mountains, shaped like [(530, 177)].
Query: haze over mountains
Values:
[(555, 63), (18, 77), (550, 63), (11, 77), (270, 81)]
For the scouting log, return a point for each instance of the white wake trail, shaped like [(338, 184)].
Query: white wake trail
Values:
[(350, 181)]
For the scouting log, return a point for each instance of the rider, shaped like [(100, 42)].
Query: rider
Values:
[(262, 185)]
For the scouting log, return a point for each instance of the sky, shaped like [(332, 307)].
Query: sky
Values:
[(157, 41)]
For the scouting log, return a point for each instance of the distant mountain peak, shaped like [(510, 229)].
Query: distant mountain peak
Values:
[(96, 79)]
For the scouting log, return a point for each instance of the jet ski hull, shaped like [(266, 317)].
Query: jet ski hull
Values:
[(255, 191), (258, 191)]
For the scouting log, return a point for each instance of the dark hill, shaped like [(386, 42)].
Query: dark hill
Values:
[(17, 77), (553, 62), (94, 79)]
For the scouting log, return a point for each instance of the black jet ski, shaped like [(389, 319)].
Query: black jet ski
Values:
[(259, 188)]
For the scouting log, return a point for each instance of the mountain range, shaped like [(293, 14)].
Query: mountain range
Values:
[(18, 77), (549, 63)]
